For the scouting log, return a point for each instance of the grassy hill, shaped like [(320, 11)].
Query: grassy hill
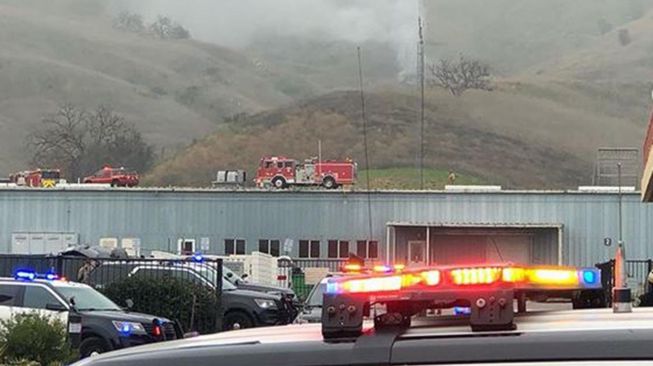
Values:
[(520, 135), (67, 51), (409, 178), (514, 35), (606, 58)]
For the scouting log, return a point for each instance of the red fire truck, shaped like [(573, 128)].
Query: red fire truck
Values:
[(281, 172), (46, 178)]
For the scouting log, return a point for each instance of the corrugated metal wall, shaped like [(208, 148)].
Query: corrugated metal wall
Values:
[(159, 218)]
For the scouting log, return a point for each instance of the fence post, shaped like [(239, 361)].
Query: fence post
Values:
[(218, 291), (648, 283)]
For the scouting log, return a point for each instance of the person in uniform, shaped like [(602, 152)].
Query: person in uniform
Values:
[(83, 274), (452, 177)]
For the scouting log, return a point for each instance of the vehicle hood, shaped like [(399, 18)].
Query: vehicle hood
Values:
[(277, 334), (252, 294), (263, 288), (123, 316)]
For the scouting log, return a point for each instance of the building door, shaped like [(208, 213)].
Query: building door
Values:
[(186, 246), (416, 253)]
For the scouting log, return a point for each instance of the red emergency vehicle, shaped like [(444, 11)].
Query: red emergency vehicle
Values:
[(46, 178), (119, 177), (281, 172)]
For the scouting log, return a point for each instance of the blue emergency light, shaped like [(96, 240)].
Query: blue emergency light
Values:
[(30, 275), (197, 257), (23, 274), (458, 311), (590, 276), (126, 329)]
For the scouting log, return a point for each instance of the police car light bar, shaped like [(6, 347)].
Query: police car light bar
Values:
[(489, 292), (29, 275), (518, 277)]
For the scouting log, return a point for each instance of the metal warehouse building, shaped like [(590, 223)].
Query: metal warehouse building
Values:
[(445, 227)]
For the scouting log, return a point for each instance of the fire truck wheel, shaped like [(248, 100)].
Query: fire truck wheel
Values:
[(115, 183), (329, 183), (279, 183)]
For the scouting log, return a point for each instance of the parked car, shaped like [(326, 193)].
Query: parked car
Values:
[(312, 308), (119, 177), (241, 308), (105, 325)]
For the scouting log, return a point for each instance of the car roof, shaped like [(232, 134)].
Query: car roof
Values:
[(574, 333), (51, 283)]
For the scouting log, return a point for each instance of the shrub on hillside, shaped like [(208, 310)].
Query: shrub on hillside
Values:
[(32, 338), (166, 28), (131, 22), (195, 306)]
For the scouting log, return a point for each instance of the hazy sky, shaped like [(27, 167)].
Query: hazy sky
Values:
[(234, 22)]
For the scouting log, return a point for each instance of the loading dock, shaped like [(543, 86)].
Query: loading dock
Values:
[(420, 244)]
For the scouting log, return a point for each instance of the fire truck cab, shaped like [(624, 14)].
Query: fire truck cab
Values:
[(281, 172)]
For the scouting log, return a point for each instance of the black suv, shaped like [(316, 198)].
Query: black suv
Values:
[(243, 284), (105, 326), (241, 308)]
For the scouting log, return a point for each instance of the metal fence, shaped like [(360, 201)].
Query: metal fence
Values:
[(637, 271), (184, 291)]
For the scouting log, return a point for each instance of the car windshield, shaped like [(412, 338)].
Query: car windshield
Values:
[(50, 174), (315, 297), (212, 275), (87, 299), (231, 276)]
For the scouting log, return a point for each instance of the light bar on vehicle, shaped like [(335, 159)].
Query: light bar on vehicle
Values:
[(29, 275), (517, 277), (485, 294)]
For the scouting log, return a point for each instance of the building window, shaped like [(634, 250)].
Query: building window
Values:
[(367, 249), (309, 249), (344, 249), (234, 246), (332, 249), (338, 249), (269, 246)]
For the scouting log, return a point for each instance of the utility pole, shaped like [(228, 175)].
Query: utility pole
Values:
[(421, 114), (620, 204), (365, 146)]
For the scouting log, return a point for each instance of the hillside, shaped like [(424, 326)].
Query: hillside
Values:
[(606, 58), (521, 135), (67, 51), (514, 35)]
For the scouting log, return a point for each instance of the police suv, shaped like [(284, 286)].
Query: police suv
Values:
[(104, 325), (493, 331)]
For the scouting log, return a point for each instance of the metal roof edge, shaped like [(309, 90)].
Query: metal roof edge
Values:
[(312, 191), (477, 225)]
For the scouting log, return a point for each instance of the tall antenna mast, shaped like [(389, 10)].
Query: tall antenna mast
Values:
[(367, 157), (421, 113)]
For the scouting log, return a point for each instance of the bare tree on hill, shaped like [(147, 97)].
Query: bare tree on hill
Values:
[(80, 142), (461, 75)]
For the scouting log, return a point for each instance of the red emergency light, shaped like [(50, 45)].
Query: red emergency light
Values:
[(488, 291), (517, 277)]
